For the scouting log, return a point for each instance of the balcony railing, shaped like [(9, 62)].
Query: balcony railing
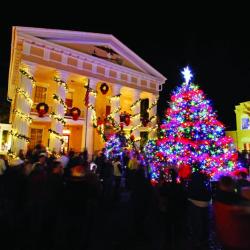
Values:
[(67, 114)]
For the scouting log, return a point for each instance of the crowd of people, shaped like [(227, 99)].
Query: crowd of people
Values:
[(51, 202)]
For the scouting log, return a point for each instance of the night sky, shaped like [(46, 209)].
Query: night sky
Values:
[(217, 52)]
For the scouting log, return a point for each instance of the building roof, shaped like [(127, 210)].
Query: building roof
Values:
[(95, 44)]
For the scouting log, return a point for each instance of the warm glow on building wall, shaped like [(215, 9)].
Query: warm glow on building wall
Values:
[(241, 135), (63, 86)]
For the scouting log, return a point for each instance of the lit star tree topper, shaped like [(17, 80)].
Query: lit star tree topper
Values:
[(192, 136), (187, 74)]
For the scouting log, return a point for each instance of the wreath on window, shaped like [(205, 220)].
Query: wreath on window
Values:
[(125, 118), (104, 88), (42, 108), (75, 113)]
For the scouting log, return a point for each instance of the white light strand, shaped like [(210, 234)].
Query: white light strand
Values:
[(24, 94), (22, 115), (29, 76), (59, 118)]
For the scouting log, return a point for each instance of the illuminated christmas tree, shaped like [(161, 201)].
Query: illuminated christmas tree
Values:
[(192, 136), (114, 145)]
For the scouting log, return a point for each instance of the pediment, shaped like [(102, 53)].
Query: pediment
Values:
[(102, 46)]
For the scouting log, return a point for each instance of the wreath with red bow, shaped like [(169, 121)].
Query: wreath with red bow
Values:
[(42, 108), (75, 113), (104, 88), (125, 118)]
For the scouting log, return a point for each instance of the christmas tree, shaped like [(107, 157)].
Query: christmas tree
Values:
[(115, 144), (192, 139)]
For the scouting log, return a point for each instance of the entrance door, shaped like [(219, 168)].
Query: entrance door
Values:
[(65, 145), (36, 136)]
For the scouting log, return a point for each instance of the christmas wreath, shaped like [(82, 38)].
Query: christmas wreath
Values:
[(42, 108), (125, 118), (104, 88), (75, 113)]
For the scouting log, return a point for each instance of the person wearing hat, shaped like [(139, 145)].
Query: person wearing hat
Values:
[(41, 163)]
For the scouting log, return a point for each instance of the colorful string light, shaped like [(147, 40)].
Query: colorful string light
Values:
[(192, 134)]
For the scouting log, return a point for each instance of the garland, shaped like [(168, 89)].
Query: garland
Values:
[(26, 74), (58, 118), (116, 110), (60, 100), (152, 118), (135, 127), (90, 90), (154, 103), (115, 97), (153, 128), (56, 134), (23, 115), (93, 92), (114, 123), (54, 153), (11, 154), (25, 95), (19, 136), (137, 139), (61, 83), (135, 116), (135, 103)]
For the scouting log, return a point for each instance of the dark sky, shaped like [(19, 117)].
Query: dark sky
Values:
[(217, 51)]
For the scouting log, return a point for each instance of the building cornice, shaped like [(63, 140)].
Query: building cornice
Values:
[(34, 41), (91, 38)]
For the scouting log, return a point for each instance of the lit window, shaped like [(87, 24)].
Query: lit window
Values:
[(36, 136), (245, 123), (40, 94)]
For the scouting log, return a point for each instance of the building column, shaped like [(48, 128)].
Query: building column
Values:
[(56, 130), (22, 119), (152, 110), (115, 102), (88, 131), (136, 120)]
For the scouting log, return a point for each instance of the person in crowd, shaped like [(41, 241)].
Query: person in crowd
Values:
[(71, 231), (21, 154), (64, 159), (199, 196), (242, 181), (100, 162), (27, 167), (29, 152), (226, 191), (42, 162), (144, 208), (53, 204), (133, 165), (108, 172), (51, 158), (15, 190), (117, 177), (2, 166), (175, 210), (37, 199)]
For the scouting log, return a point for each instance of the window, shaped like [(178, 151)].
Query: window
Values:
[(144, 108), (35, 136), (69, 102), (108, 110), (245, 123), (246, 146), (69, 99), (40, 94)]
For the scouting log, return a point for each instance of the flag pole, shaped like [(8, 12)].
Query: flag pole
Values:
[(87, 108)]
